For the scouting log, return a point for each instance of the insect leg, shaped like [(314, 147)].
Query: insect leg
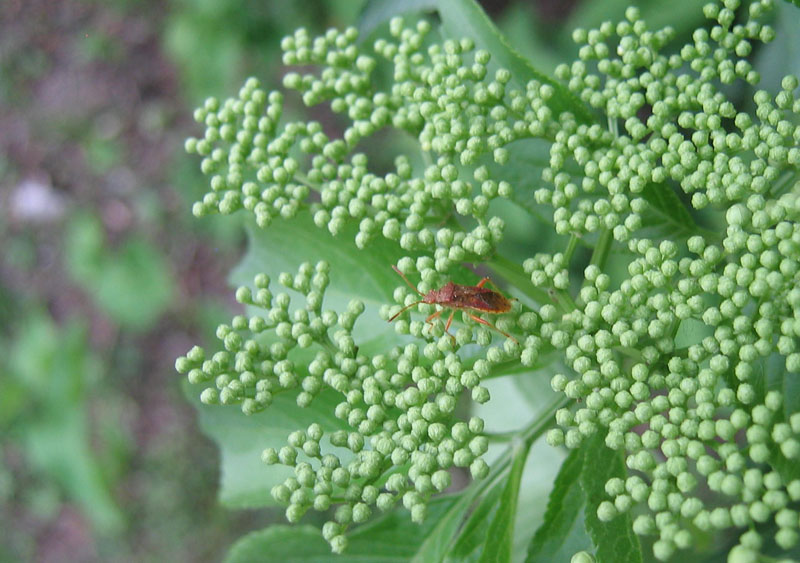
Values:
[(484, 281), (449, 320), (405, 279), (447, 326), (403, 310), (490, 325), (432, 316)]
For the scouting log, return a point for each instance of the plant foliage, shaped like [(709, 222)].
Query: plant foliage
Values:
[(666, 316)]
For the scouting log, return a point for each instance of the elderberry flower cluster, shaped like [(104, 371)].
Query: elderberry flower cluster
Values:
[(676, 360), (690, 414), (396, 410), (441, 96)]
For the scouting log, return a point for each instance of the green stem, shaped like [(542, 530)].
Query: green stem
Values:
[(571, 246), (303, 179), (564, 300), (602, 249)]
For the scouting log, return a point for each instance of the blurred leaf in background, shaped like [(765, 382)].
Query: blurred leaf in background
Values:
[(51, 373), (131, 283)]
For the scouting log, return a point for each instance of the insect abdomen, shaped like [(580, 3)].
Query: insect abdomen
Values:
[(492, 301)]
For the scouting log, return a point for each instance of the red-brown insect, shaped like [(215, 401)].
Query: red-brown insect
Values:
[(464, 297)]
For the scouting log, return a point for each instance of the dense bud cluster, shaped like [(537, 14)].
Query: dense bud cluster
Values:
[(396, 410), (440, 96), (677, 362), (672, 364)]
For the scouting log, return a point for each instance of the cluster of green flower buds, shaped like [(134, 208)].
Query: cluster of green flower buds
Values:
[(671, 366), (685, 137), (256, 359), (441, 95), (671, 363), (395, 411)]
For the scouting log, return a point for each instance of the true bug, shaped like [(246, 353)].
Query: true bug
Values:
[(465, 297)]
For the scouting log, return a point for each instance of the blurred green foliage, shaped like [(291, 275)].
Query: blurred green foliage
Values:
[(131, 283), (45, 405)]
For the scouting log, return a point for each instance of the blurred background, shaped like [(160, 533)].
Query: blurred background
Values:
[(105, 277)]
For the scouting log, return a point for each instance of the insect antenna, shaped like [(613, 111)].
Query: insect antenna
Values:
[(405, 279), (404, 309)]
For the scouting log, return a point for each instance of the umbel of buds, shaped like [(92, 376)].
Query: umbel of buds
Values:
[(675, 352)]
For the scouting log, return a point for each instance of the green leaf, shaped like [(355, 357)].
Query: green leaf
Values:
[(614, 541), (281, 543), (666, 215), (390, 538), (134, 285), (58, 444), (394, 536), (83, 247), (466, 18), (472, 535), (691, 331), (500, 535), (245, 481), (54, 366), (131, 283), (435, 545), (355, 274), (562, 534), (526, 160), (523, 396), (781, 56), (526, 29), (365, 274)]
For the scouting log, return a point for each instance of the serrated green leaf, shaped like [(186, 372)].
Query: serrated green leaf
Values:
[(466, 18), (666, 215), (245, 481), (500, 535), (562, 534), (355, 274), (614, 541), (473, 534), (435, 546), (390, 538)]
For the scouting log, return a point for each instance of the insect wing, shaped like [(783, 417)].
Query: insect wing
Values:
[(482, 299)]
